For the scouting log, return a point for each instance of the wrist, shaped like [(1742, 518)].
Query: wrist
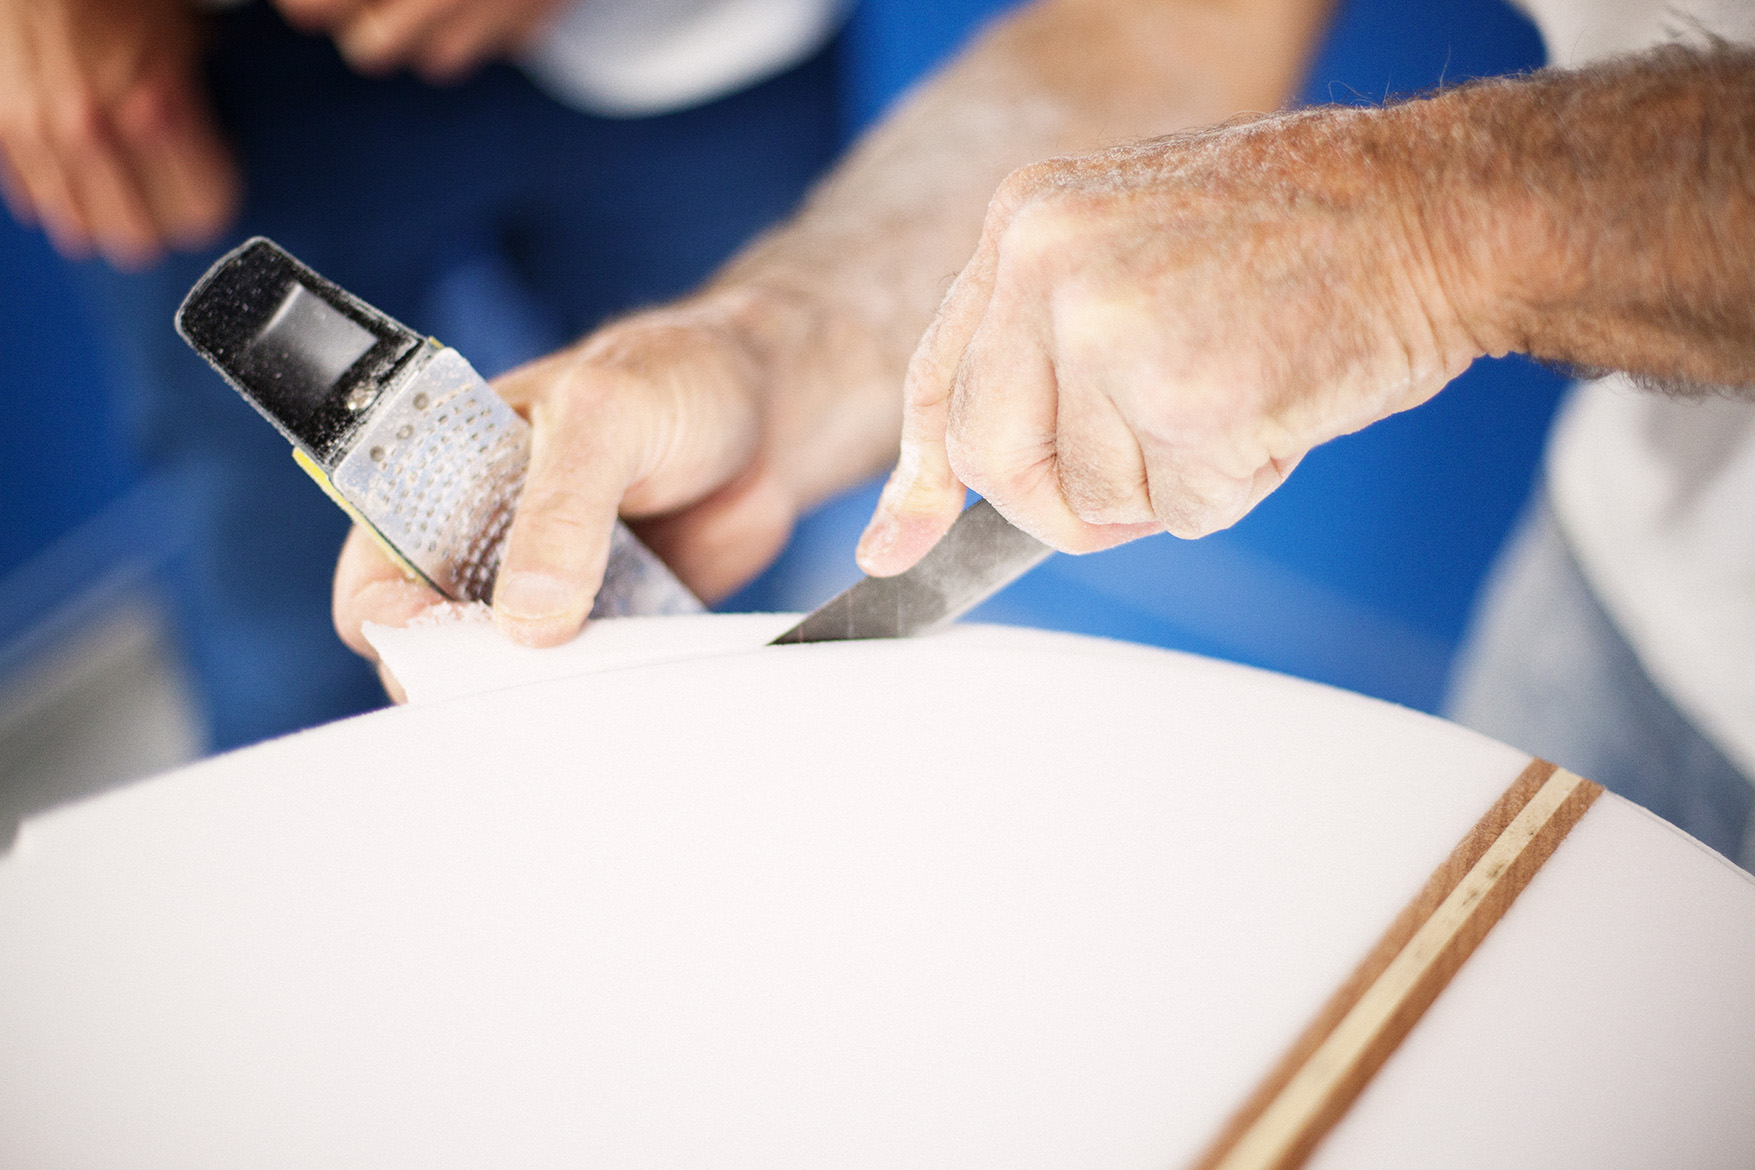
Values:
[(773, 329), (827, 389), (1496, 257), (797, 333)]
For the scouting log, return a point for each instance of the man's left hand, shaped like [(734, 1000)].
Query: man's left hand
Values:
[(1151, 337)]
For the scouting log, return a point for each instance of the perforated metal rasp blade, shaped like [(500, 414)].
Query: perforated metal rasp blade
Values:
[(398, 429), (979, 556)]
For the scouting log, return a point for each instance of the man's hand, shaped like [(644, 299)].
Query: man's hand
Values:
[(1151, 337), (105, 136), (442, 40), (655, 416)]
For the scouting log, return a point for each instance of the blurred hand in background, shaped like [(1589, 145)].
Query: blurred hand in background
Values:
[(442, 40), (106, 138)]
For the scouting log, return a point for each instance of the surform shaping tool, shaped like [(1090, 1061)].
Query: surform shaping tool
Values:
[(399, 429)]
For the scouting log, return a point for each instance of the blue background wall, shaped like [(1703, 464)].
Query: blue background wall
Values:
[(1359, 572), (76, 514)]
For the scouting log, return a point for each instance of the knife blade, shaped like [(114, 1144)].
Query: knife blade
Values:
[(979, 556)]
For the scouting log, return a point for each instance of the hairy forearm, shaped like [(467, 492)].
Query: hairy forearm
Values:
[(1602, 219), (837, 297)]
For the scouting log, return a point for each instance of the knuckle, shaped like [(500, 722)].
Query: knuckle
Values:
[(1106, 323), (1200, 509), (555, 512), (1024, 185), (1184, 523), (931, 371), (1096, 499), (1052, 236), (1034, 236), (573, 392), (971, 463), (1016, 193)]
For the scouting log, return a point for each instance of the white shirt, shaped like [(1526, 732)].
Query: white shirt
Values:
[(632, 58), (629, 58), (1656, 495)]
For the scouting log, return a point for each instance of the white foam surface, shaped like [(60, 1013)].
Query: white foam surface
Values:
[(991, 899), (462, 654), (1610, 1021)]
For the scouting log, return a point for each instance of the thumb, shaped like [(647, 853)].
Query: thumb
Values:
[(558, 547)]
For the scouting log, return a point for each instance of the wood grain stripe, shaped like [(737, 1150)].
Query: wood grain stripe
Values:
[(1312, 1086)]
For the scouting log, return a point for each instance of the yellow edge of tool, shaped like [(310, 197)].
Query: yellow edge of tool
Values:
[(317, 473)]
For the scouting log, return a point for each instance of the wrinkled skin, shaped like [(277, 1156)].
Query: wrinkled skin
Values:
[(1150, 338), (106, 138)]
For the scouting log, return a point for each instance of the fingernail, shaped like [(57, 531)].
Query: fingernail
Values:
[(532, 596)]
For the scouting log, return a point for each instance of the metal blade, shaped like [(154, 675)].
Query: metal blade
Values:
[(636, 582), (979, 556)]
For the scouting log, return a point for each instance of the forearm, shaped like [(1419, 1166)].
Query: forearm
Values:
[(1602, 219), (837, 297)]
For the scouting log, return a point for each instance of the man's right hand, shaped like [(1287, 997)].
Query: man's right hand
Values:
[(106, 139)]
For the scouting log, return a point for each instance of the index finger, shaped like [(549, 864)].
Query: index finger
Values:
[(923, 496), (370, 587)]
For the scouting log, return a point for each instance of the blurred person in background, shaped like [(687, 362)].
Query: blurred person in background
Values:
[(502, 173)]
